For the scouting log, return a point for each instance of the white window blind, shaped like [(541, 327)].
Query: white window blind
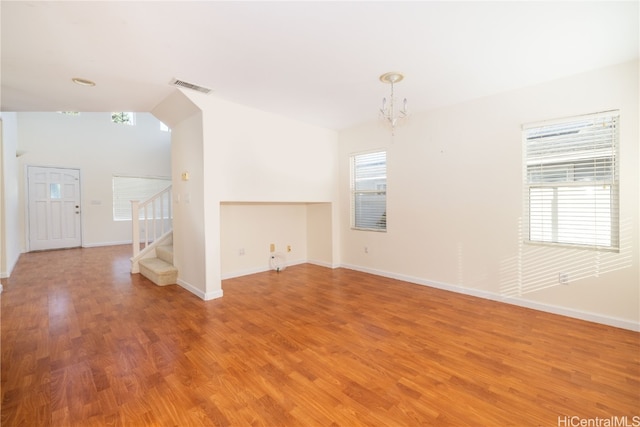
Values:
[(369, 191), (571, 181), (127, 188)]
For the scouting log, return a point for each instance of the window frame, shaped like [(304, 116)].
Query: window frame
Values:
[(357, 194), (589, 165)]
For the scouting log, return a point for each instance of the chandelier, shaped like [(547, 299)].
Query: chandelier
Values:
[(388, 109)]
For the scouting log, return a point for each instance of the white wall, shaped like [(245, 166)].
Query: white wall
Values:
[(258, 158), (3, 269), (455, 201), (248, 229), (323, 247), (99, 148), (10, 237), (188, 199)]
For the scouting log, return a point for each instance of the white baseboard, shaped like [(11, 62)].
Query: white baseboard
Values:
[(322, 264), (213, 295), (241, 273), (7, 274), (188, 286), (202, 295), (549, 308), (100, 244), (247, 272)]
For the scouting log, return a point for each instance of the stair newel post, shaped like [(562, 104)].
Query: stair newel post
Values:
[(135, 226)]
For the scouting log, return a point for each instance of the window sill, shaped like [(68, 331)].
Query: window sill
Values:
[(572, 246)]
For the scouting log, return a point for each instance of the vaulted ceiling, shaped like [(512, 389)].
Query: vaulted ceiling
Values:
[(317, 62)]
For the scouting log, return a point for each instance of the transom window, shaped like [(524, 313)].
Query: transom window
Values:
[(124, 117)]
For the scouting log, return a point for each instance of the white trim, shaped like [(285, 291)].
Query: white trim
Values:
[(7, 274), (213, 295), (189, 287), (202, 295), (323, 264), (100, 244), (241, 273), (521, 302), (586, 116)]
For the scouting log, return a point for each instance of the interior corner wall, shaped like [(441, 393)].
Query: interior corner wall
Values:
[(248, 229), (189, 244), (256, 158), (299, 232), (10, 235), (99, 148), (455, 202), (320, 235)]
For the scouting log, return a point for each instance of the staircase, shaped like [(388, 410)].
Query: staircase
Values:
[(152, 238), (160, 270)]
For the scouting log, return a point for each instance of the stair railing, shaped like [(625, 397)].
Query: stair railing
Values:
[(151, 218)]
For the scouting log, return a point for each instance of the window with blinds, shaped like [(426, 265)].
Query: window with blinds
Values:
[(369, 191), (127, 188), (571, 181)]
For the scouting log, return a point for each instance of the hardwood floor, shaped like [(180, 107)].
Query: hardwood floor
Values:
[(84, 343)]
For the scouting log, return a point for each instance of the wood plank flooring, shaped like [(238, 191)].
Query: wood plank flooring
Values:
[(84, 343)]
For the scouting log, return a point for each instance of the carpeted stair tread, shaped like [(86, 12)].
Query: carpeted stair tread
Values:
[(165, 253), (158, 271)]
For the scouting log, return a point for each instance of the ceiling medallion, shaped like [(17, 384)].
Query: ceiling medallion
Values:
[(83, 82)]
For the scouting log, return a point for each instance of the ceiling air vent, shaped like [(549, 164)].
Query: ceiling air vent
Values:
[(187, 85)]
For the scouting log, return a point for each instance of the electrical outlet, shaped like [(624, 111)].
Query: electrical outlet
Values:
[(241, 251), (563, 278), (366, 249), (272, 247), (288, 248)]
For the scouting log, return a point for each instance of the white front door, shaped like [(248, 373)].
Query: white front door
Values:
[(54, 208)]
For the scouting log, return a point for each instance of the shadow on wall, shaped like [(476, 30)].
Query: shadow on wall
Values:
[(538, 267)]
